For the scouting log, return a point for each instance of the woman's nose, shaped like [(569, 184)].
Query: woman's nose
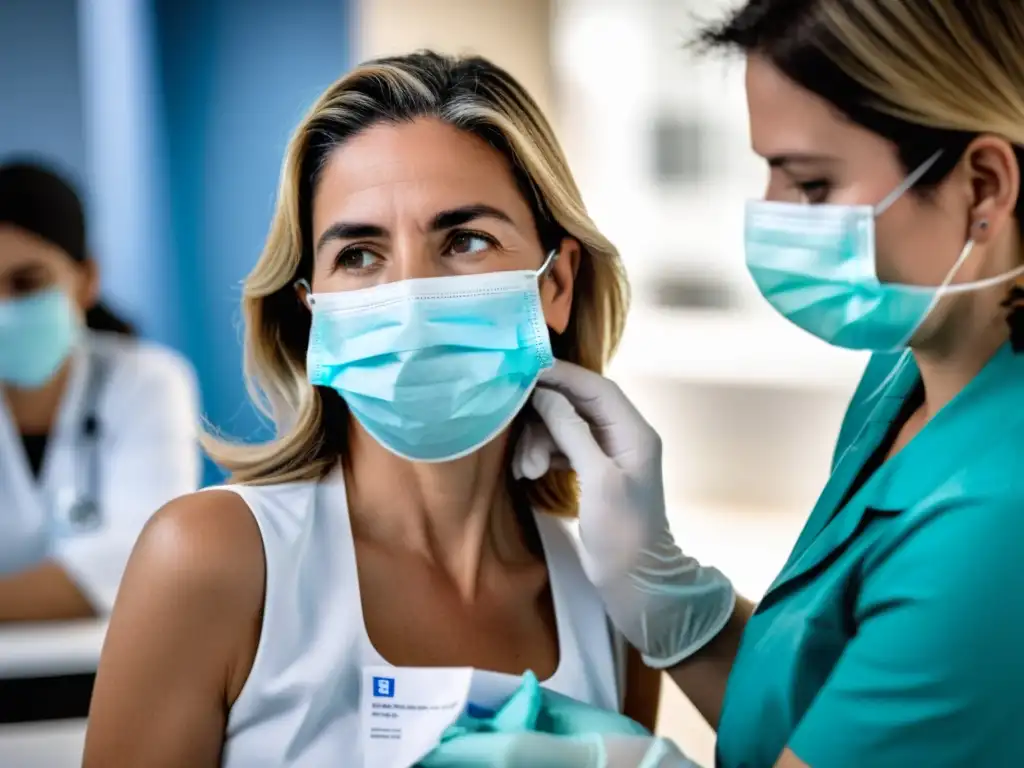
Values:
[(413, 260)]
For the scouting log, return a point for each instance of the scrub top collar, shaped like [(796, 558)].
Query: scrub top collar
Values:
[(924, 471)]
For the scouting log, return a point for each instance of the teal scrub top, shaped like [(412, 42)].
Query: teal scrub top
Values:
[(894, 635)]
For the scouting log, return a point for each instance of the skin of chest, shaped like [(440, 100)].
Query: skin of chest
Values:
[(508, 626)]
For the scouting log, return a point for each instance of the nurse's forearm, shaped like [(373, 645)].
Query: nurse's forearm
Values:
[(703, 676), (42, 593)]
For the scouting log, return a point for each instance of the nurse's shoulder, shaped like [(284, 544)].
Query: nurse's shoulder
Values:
[(184, 631)]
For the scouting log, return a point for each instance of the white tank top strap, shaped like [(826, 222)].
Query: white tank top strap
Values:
[(586, 616)]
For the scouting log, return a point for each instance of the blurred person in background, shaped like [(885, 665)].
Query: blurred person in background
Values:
[(429, 256), (96, 427), (892, 222)]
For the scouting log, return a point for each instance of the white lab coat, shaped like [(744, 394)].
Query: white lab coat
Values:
[(148, 414)]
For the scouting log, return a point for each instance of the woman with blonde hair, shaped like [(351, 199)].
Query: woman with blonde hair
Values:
[(893, 131), (429, 256)]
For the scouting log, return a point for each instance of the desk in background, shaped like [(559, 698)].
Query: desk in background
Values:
[(46, 679)]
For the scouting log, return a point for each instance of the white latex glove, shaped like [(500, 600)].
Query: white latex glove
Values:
[(666, 604), (541, 750)]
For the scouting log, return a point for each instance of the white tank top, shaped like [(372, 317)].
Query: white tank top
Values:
[(300, 704)]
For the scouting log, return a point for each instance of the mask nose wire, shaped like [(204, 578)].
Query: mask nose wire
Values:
[(549, 262), (908, 182)]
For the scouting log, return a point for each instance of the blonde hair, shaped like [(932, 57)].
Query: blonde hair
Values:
[(944, 64), (473, 95)]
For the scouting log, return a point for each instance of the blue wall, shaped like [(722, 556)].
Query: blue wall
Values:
[(174, 116), (123, 126), (40, 93), (237, 76)]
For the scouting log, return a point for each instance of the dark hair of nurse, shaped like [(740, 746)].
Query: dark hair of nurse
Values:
[(410, 167), (847, 97), (43, 242)]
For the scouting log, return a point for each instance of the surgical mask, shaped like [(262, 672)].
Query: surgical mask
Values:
[(433, 368), (37, 333), (816, 265)]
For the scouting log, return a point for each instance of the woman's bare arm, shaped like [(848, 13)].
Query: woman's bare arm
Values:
[(182, 637)]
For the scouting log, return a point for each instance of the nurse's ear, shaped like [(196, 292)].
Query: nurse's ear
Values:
[(87, 287), (556, 287), (995, 185)]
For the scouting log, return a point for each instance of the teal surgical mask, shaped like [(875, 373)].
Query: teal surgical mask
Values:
[(433, 368), (37, 334), (816, 265)]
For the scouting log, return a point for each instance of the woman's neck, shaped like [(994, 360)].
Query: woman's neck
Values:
[(34, 411), (458, 515)]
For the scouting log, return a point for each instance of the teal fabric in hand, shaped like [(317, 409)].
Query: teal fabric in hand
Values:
[(537, 728)]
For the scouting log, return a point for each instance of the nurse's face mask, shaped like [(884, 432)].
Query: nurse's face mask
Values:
[(37, 333), (816, 265), (433, 368)]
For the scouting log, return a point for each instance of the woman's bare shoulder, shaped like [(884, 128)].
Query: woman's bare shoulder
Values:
[(206, 543), (181, 637)]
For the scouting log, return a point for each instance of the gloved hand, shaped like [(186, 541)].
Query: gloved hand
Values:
[(666, 604), (537, 728), (545, 750)]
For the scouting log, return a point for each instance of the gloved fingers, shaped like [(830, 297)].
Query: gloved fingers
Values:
[(542, 750), (569, 432), (518, 750), (598, 399), (536, 453), (533, 453), (644, 752), (566, 716)]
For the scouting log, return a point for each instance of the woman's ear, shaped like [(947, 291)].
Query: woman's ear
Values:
[(995, 185), (556, 287)]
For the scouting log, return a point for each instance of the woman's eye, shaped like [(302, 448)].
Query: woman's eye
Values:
[(468, 243), (356, 259), (815, 191)]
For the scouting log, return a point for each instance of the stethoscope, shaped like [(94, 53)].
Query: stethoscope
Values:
[(84, 512)]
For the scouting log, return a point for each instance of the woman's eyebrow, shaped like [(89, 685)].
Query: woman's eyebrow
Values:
[(454, 217), (343, 230), (466, 213)]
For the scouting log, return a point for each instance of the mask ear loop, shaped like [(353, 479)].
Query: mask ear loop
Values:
[(304, 292), (908, 182), (549, 262), (949, 287)]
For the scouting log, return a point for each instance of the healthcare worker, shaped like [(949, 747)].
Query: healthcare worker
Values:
[(893, 131), (96, 427), (428, 257)]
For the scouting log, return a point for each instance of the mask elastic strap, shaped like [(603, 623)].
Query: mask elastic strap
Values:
[(303, 285), (908, 182), (548, 263), (987, 282)]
